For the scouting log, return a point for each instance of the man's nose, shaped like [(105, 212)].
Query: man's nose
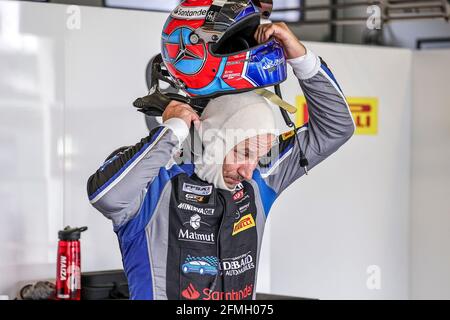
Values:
[(246, 171)]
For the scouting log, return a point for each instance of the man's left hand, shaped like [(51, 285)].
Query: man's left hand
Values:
[(293, 48)]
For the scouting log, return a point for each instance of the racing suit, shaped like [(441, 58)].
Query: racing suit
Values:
[(182, 238)]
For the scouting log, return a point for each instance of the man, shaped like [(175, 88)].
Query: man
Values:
[(195, 231)]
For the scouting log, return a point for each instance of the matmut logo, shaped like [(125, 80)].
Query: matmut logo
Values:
[(246, 222)]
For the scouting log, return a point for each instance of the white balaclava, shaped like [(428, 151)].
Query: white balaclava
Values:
[(226, 121)]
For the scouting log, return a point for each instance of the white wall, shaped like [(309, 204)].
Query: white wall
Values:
[(77, 86), (66, 85), (31, 114), (104, 73), (430, 189), (352, 211)]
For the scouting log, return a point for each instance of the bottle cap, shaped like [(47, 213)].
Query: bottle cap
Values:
[(71, 233)]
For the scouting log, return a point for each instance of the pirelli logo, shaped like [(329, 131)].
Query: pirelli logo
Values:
[(364, 112), (244, 223)]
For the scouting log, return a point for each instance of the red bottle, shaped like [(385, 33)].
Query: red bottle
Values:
[(68, 274)]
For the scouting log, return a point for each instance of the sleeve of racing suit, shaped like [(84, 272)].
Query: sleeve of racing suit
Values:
[(118, 187), (330, 124)]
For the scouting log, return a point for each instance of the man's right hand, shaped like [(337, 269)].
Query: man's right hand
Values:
[(177, 109)]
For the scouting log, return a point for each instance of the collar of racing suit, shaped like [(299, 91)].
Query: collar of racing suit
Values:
[(225, 122)]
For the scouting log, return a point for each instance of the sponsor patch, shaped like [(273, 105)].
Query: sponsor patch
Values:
[(238, 195), (190, 207), (239, 186), (208, 265), (198, 190), (364, 111), (238, 265), (245, 197), (195, 222), (246, 222), (211, 265), (244, 207), (192, 293), (287, 135), (189, 13), (241, 210), (270, 65), (193, 236), (196, 198)]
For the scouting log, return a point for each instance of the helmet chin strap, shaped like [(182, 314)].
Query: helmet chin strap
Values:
[(285, 108), (275, 99)]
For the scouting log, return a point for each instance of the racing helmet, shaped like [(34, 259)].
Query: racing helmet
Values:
[(208, 48)]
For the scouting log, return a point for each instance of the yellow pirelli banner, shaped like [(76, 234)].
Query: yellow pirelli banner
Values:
[(364, 111)]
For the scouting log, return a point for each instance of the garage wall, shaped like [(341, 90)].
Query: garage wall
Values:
[(430, 176), (31, 118), (65, 104), (352, 211)]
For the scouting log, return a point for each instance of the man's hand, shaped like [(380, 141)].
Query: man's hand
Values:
[(280, 31), (177, 109)]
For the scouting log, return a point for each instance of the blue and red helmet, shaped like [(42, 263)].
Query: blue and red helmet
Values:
[(208, 48)]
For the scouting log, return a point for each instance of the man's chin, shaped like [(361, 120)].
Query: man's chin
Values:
[(231, 186), (231, 183)]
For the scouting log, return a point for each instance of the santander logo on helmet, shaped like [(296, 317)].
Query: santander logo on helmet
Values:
[(208, 48)]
